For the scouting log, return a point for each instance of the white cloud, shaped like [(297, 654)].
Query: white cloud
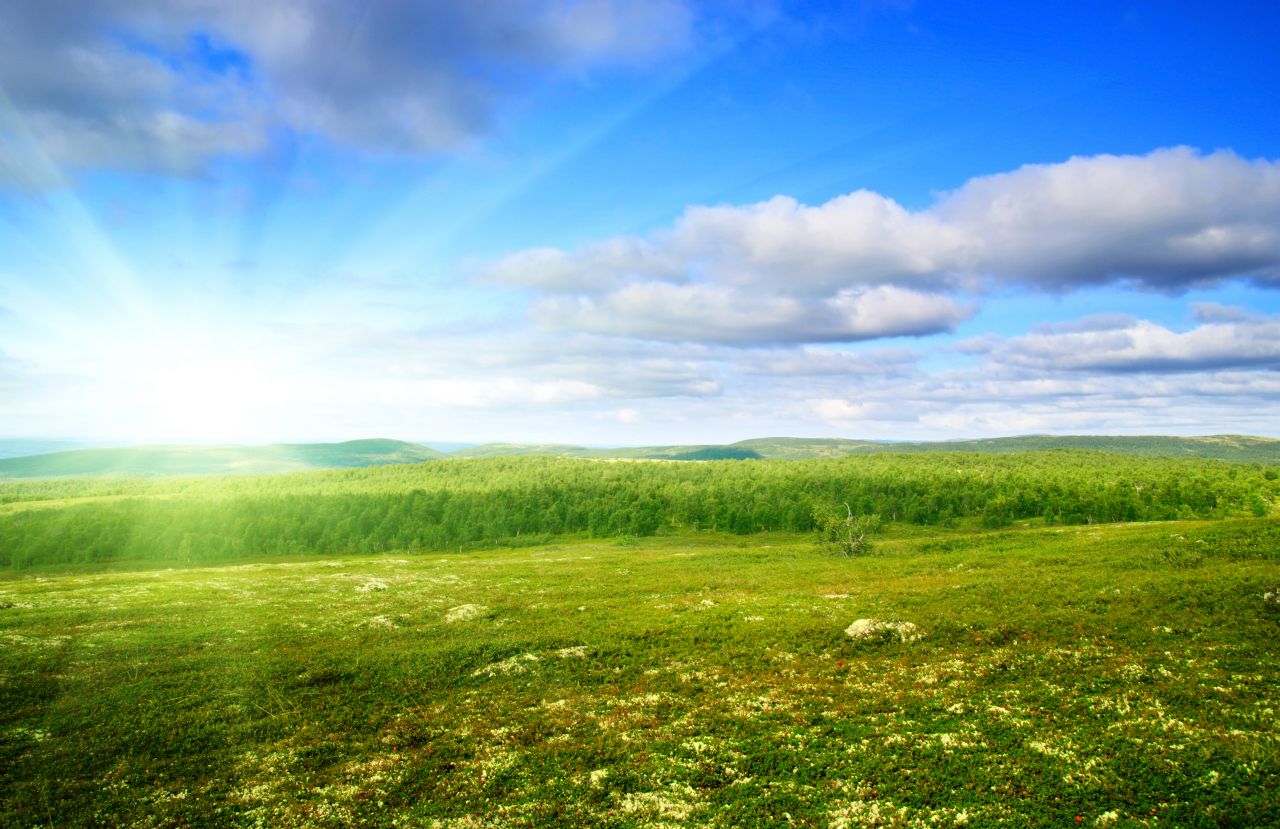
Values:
[(614, 369), (810, 361), (995, 399), (596, 269), (859, 239), (485, 393), (862, 239), (1165, 220), (1232, 338), (851, 413), (1217, 312), (862, 266), (720, 314), (131, 85), (323, 381)]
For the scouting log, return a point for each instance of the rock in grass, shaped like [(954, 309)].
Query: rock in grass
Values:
[(882, 630), (465, 612)]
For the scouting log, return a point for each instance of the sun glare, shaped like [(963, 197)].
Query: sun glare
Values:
[(202, 398), (189, 389)]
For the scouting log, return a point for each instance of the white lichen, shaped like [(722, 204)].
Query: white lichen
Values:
[(465, 612), (514, 665), (883, 629)]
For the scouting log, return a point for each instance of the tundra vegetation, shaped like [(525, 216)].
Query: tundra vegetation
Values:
[(1040, 639)]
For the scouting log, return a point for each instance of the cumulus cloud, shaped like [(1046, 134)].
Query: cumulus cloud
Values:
[(509, 383), (721, 314), (1226, 339), (1166, 220), (861, 238), (600, 267), (810, 361), (578, 367), (1002, 399), (858, 240), (862, 266), (1217, 312), (167, 86), (842, 411)]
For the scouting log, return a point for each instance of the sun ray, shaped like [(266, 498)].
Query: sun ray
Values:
[(394, 220), (89, 252)]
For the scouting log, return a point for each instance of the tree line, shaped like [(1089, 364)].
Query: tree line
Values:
[(487, 501)]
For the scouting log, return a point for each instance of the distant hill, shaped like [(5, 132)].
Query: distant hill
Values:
[(1220, 447), (20, 447), (1243, 448), (714, 452), (491, 450), (299, 457), (203, 460), (807, 448)]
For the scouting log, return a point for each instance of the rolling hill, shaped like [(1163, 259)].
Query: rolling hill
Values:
[(1240, 448), (298, 457), (204, 460), (21, 447), (1243, 448), (701, 452)]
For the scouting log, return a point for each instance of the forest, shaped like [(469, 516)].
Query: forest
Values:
[(468, 503)]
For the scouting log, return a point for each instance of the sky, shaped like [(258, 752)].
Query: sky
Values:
[(611, 223)]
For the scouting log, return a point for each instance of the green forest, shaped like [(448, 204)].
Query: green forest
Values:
[(465, 503)]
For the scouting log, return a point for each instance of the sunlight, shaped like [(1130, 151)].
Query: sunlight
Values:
[(198, 388), (200, 398), (592, 412)]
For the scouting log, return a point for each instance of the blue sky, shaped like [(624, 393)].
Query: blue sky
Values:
[(608, 222)]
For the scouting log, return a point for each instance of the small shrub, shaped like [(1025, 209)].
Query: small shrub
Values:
[(844, 534), (1182, 556)]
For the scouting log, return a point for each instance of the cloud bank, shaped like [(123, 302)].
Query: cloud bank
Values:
[(862, 266), (1227, 338), (717, 314)]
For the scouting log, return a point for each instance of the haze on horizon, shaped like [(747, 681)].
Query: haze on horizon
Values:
[(608, 223)]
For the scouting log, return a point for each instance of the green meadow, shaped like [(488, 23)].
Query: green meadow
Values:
[(1055, 672)]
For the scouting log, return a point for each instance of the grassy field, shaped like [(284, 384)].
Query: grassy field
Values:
[(1114, 675)]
